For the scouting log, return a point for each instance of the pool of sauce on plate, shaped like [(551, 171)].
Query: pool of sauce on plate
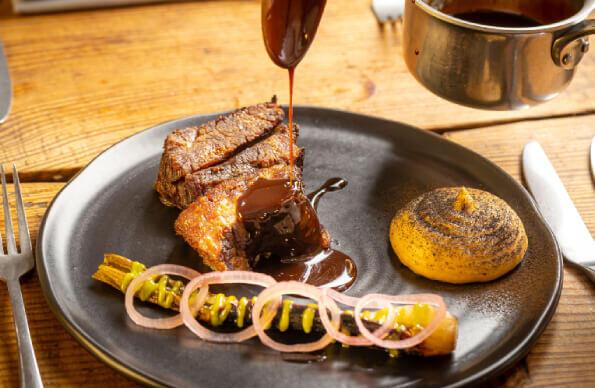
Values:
[(498, 18), (284, 235), (283, 226), (288, 29), (328, 268)]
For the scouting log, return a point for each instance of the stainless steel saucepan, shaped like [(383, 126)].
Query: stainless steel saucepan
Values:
[(495, 67)]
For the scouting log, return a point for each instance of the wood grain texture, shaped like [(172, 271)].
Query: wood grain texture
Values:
[(84, 80), (62, 361), (565, 354), (566, 142)]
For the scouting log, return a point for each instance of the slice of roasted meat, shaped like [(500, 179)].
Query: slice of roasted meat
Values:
[(213, 226), (208, 170), (268, 152), (191, 149)]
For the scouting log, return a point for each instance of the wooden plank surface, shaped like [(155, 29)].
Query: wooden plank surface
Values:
[(62, 361), (565, 353), (566, 142), (84, 80)]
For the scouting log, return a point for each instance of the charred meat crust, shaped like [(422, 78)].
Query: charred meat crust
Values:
[(268, 152), (206, 169), (210, 224), (191, 149)]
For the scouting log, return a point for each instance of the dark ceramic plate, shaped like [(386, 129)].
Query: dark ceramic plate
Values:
[(111, 206)]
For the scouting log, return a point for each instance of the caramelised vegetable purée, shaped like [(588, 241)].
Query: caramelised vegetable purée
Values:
[(413, 324), (458, 235)]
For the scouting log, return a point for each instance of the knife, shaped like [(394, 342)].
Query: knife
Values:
[(574, 239), (593, 157), (5, 86)]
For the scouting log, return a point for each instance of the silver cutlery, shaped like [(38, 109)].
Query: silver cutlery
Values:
[(14, 264), (388, 10), (574, 239), (593, 157), (5, 86)]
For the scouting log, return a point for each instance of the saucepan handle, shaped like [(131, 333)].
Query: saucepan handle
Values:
[(569, 48)]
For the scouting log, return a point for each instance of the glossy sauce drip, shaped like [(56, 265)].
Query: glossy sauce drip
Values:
[(288, 28), (498, 18), (280, 221), (327, 268), (333, 184), (285, 237), (290, 114)]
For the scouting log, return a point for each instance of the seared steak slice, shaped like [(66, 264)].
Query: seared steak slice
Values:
[(210, 225), (191, 149), (207, 170), (268, 152)]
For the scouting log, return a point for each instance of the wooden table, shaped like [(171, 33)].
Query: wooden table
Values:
[(84, 80)]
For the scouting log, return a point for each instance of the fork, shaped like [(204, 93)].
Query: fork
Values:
[(388, 10), (14, 264)]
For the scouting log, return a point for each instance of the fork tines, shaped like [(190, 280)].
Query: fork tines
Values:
[(388, 10), (25, 240)]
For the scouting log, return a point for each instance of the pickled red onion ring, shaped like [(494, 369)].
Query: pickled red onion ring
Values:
[(203, 281), (155, 323), (328, 295), (275, 291), (432, 299), (293, 288)]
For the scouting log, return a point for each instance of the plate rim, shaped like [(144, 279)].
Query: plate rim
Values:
[(512, 357)]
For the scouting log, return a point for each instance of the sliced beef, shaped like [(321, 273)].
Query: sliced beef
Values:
[(268, 152), (210, 225), (205, 170), (191, 149)]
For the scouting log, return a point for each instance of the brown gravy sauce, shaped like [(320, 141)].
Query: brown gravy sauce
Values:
[(288, 29), (284, 234), (281, 222), (279, 219), (498, 18), (333, 184), (326, 269)]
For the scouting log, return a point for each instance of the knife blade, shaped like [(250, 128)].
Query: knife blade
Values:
[(574, 239), (5, 86), (593, 157)]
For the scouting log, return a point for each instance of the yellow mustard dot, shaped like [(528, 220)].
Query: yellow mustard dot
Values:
[(284, 320), (241, 311)]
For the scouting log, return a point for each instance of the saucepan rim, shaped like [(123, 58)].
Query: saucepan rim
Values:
[(581, 15)]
